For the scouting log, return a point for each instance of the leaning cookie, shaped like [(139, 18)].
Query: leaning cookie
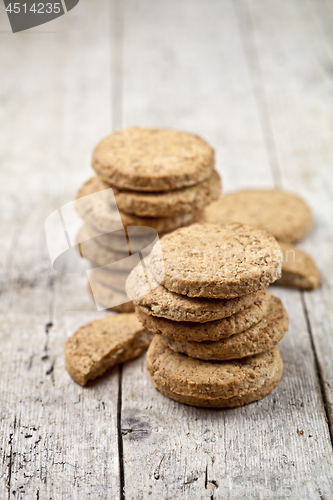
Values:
[(259, 338), (298, 269), (207, 379), (211, 330), (151, 159), (285, 215), (216, 260), (98, 346)]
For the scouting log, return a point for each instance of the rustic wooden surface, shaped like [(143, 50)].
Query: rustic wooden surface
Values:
[(255, 78)]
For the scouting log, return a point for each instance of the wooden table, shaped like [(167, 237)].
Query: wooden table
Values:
[(255, 78)]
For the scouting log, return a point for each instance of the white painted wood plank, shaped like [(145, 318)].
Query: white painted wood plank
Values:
[(186, 67), (58, 440), (298, 38)]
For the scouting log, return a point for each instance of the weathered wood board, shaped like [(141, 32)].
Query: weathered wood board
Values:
[(255, 79)]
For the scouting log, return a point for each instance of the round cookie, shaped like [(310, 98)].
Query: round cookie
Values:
[(105, 217), (208, 379), (105, 296), (150, 159), (283, 214), (111, 279), (233, 402), (212, 330), (139, 238), (170, 203), (175, 307), (216, 260), (98, 346), (259, 338), (102, 256)]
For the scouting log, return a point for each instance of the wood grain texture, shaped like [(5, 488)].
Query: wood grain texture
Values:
[(253, 78), (298, 38), (277, 447), (57, 440)]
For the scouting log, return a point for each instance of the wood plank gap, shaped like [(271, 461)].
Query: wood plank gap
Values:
[(120, 437), (116, 51), (10, 464), (245, 26), (327, 405)]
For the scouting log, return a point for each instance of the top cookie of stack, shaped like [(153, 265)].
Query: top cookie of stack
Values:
[(160, 178)]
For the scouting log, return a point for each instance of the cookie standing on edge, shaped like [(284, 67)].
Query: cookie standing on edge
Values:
[(98, 346), (285, 215), (150, 159), (216, 260)]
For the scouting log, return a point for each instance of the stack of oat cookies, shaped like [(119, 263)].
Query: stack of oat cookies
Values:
[(217, 326), (160, 179)]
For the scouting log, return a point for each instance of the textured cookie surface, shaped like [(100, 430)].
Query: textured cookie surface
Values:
[(212, 379), (98, 346), (233, 402), (216, 260), (139, 237), (259, 338), (211, 330), (173, 306), (148, 159), (102, 256), (283, 214), (298, 269), (103, 215), (107, 297), (170, 203)]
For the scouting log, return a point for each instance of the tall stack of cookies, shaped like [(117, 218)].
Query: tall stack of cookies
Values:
[(161, 179), (216, 325)]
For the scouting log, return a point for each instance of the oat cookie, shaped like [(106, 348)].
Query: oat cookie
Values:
[(298, 269), (209, 379), (259, 338), (212, 330), (148, 159), (105, 296), (98, 346), (111, 279), (285, 215), (233, 402), (170, 203), (216, 260), (139, 237), (173, 306), (104, 216), (102, 256)]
